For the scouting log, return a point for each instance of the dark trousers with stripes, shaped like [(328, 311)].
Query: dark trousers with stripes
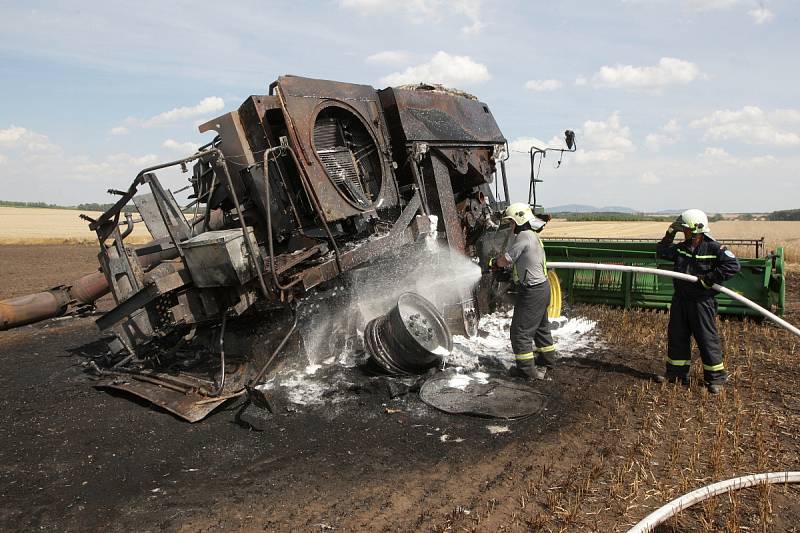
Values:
[(531, 340), (694, 318)]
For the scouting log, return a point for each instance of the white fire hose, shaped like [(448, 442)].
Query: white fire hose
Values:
[(677, 505), (677, 275)]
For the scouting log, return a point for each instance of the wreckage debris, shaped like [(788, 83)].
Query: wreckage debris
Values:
[(492, 398), (410, 339)]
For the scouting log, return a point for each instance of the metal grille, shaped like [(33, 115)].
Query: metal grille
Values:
[(326, 134), (340, 166)]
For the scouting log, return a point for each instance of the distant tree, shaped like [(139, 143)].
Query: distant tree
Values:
[(745, 216), (40, 205), (605, 216), (788, 214)]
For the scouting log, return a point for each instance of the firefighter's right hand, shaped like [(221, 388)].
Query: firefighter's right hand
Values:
[(677, 225), (492, 264)]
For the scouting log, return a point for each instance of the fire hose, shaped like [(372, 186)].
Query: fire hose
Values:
[(677, 505), (676, 275)]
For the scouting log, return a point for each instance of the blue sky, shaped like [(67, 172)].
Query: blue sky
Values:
[(675, 103)]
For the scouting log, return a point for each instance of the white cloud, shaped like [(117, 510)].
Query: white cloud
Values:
[(609, 134), (389, 57), (31, 160), (599, 142), (424, 11), (207, 105), (749, 125), (761, 15), (581, 80), (16, 137), (787, 115), (649, 178), (668, 135), (710, 5), (471, 9), (524, 144), (668, 71), (111, 167), (12, 135), (183, 147), (442, 68), (542, 85), (604, 141), (720, 156)]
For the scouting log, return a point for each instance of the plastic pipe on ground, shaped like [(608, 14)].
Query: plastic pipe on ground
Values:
[(677, 505), (676, 275)]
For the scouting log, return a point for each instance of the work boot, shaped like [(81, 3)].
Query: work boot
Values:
[(539, 372), (716, 386), (527, 371), (683, 380)]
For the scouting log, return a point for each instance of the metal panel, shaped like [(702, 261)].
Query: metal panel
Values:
[(302, 100), (431, 116), (146, 204)]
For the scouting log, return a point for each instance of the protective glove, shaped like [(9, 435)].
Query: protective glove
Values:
[(704, 282), (491, 263), (676, 226)]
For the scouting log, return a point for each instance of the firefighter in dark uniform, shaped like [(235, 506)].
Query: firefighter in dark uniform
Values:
[(531, 341), (694, 308)]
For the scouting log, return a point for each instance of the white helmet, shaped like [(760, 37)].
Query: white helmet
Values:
[(695, 221), (521, 213)]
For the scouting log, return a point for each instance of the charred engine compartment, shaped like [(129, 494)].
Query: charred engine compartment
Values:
[(299, 186)]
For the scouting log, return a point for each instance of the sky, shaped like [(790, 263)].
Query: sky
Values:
[(675, 103)]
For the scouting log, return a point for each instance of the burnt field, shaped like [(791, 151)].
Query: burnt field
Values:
[(611, 446)]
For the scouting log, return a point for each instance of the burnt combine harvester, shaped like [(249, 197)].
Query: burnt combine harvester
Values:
[(298, 188)]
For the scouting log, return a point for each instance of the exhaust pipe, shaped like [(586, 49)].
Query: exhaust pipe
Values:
[(32, 308), (85, 290)]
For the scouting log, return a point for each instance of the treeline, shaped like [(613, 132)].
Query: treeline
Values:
[(788, 214), (611, 217), (92, 206), (102, 207), (41, 205)]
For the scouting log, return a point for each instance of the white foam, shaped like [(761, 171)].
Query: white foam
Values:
[(459, 381), (441, 350), (573, 337), (481, 377)]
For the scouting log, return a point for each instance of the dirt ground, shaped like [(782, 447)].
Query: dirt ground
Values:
[(611, 446)]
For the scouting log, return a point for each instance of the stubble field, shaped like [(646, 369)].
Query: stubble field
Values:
[(612, 447)]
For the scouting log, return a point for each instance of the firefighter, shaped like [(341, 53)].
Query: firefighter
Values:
[(531, 341), (694, 308)]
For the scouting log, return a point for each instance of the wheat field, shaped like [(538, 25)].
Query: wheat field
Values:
[(775, 234), (58, 226), (25, 225)]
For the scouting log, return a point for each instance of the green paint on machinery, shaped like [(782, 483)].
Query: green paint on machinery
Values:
[(761, 278)]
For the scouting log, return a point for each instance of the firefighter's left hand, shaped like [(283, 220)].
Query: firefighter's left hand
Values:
[(704, 282)]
